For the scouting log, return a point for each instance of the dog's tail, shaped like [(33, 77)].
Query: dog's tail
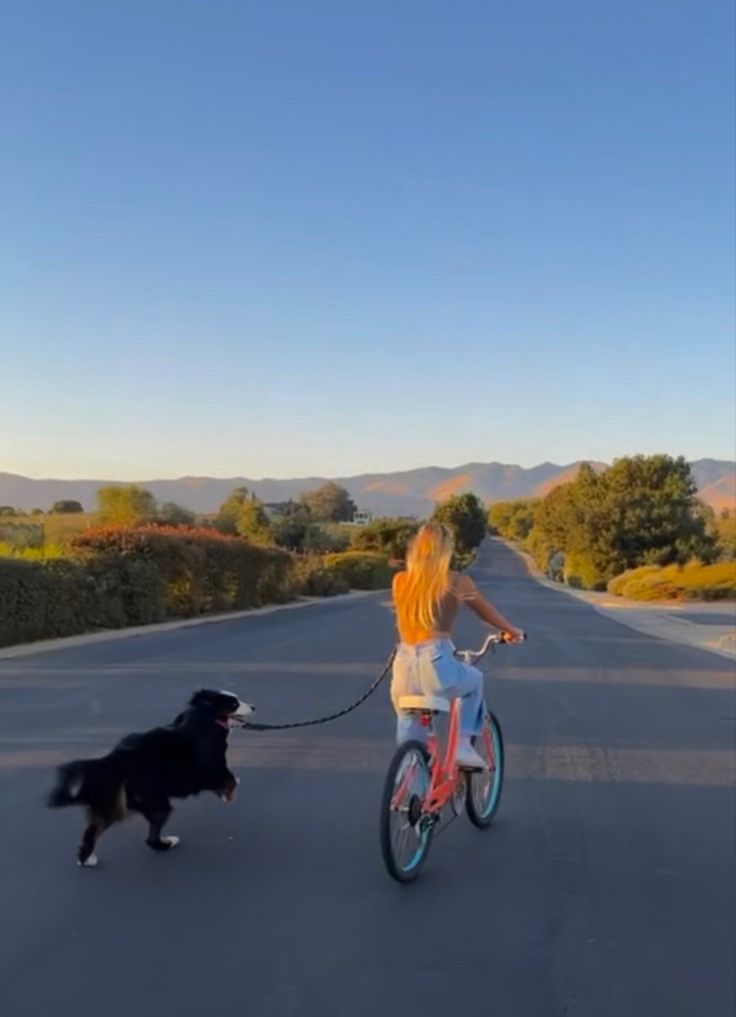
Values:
[(69, 783), (97, 783)]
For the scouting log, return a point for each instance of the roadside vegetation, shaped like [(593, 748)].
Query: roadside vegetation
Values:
[(636, 529), (692, 581), (135, 562)]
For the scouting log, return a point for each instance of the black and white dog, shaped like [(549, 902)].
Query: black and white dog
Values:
[(144, 771)]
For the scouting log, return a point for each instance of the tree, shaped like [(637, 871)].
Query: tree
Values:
[(66, 506), (654, 513), (8, 510), (319, 540), (466, 517), (174, 515), (253, 523), (290, 529), (554, 522), (513, 519), (125, 506), (640, 511), (725, 535), (227, 517), (330, 504), (387, 536)]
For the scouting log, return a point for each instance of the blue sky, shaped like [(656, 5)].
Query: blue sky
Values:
[(294, 238)]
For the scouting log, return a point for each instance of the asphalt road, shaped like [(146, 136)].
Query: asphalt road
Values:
[(606, 887)]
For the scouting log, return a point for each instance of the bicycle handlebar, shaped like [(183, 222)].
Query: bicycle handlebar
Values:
[(493, 639)]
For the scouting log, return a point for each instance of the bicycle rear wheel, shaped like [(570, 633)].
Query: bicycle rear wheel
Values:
[(405, 833), (484, 788)]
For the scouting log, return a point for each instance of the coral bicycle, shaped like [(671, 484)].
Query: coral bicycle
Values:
[(421, 781)]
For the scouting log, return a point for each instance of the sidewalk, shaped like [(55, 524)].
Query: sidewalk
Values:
[(707, 626)]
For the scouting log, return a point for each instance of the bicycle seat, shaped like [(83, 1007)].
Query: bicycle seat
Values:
[(424, 704)]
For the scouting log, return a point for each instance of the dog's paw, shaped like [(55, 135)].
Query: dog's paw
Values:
[(171, 842), (89, 862), (229, 794)]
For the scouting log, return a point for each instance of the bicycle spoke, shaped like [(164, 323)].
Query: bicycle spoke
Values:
[(485, 788), (408, 836)]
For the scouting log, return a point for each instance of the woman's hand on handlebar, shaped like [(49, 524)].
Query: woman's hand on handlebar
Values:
[(513, 635)]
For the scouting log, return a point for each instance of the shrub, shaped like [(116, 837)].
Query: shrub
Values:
[(618, 583), (386, 536), (339, 535), (200, 570), (362, 570), (125, 506), (693, 581), (43, 600), (323, 540), (171, 514), (120, 576), (290, 529), (581, 572), (313, 579)]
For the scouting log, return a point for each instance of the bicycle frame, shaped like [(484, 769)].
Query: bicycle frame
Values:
[(445, 772)]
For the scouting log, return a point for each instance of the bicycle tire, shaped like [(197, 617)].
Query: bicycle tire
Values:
[(481, 806), (398, 870)]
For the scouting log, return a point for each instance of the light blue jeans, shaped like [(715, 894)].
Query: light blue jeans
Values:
[(432, 669)]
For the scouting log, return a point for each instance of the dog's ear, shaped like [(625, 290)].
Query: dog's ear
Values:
[(200, 698)]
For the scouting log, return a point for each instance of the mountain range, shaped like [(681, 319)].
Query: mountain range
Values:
[(410, 492)]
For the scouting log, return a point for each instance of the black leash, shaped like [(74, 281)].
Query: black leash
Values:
[(332, 716)]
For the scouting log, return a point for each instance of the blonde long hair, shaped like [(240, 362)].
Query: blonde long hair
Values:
[(427, 578)]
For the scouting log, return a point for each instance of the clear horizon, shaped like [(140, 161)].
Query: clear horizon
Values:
[(139, 478), (288, 240)]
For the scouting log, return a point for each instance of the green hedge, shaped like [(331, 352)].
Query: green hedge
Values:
[(313, 579), (361, 570), (120, 576), (46, 599), (200, 571)]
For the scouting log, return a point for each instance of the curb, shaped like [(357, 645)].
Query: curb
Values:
[(109, 635), (651, 622)]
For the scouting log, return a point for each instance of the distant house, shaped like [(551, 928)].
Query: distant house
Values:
[(362, 518)]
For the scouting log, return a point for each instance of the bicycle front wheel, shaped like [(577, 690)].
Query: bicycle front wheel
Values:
[(484, 787), (405, 830)]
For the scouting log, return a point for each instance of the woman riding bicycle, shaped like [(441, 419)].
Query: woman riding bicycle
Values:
[(427, 598)]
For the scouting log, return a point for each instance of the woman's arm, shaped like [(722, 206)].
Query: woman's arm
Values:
[(471, 595)]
